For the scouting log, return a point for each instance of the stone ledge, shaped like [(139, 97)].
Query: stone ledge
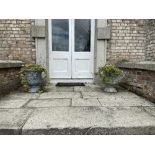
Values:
[(144, 65), (10, 63)]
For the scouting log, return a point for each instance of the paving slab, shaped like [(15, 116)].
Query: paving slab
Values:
[(103, 95), (65, 120), (124, 101), (85, 102), (60, 89), (12, 103), (90, 120), (43, 103), (60, 95), (18, 95), (88, 89), (131, 117), (12, 120)]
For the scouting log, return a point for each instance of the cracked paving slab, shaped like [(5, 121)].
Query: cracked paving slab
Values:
[(12, 120)]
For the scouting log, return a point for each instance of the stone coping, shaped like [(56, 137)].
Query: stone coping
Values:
[(10, 63), (144, 65)]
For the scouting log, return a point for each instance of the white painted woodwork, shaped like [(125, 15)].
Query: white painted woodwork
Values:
[(71, 64)]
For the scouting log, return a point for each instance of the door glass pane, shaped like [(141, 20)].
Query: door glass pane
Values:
[(60, 35), (82, 35)]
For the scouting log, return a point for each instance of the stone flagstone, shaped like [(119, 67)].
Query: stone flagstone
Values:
[(13, 103), (22, 96), (49, 103), (60, 95), (60, 89), (12, 120), (131, 117), (87, 89), (60, 118), (78, 112), (85, 102), (120, 101), (103, 95)]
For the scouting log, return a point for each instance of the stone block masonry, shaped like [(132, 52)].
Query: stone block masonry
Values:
[(16, 42)]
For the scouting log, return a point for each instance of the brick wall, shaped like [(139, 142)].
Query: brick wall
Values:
[(141, 82), (150, 40), (127, 40), (131, 39), (16, 42), (9, 79)]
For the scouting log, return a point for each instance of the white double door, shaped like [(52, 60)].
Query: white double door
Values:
[(71, 52)]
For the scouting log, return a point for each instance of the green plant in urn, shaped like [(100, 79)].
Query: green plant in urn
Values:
[(110, 75)]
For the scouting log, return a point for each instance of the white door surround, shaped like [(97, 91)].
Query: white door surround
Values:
[(43, 46), (67, 61)]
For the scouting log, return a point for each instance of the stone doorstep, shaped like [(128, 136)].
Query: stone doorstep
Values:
[(79, 121), (12, 120), (146, 130), (90, 120)]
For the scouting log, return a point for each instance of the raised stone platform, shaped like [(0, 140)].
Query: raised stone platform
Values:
[(76, 110)]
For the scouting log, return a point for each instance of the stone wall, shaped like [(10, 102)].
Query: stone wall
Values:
[(16, 42), (150, 40), (140, 78), (127, 40), (9, 76)]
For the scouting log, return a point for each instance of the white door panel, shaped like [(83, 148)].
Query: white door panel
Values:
[(60, 51), (82, 49), (60, 65)]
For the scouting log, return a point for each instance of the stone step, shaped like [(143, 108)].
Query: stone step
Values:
[(146, 130), (91, 120)]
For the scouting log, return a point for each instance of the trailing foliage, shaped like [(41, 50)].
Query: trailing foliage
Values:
[(109, 72), (33, 67)]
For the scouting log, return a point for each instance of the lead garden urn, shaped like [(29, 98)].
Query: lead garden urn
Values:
[(32, 77), (110, 76)]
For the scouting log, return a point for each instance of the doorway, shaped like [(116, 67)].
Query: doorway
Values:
[(71, 48)]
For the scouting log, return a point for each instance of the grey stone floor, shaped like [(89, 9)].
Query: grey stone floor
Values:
[(76, 110)]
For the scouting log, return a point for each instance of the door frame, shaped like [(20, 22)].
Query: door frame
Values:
[(54, 80)]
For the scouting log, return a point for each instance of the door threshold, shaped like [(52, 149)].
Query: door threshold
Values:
[(71, 80)]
